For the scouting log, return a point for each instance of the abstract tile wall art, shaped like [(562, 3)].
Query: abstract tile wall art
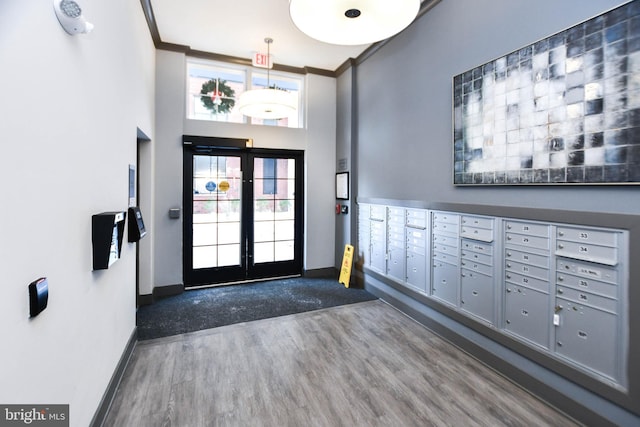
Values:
[(563, 110)]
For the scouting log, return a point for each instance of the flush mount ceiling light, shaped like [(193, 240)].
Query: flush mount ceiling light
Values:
[(269, 102), (352, 22)]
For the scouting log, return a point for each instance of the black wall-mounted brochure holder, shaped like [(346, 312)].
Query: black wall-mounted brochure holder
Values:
[(136, 225), (107, 232)]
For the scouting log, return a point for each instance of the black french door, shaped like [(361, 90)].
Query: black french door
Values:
[(243, 211)]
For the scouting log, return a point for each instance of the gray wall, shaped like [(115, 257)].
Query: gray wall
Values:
[(400, 137), (345, 144), (404, 106)]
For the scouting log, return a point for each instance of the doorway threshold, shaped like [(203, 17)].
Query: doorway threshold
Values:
[(240, 282)]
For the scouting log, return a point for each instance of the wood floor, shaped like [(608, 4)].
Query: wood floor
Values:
[(363, 364)]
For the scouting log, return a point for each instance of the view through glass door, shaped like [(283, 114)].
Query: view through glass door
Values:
[(242, 214)]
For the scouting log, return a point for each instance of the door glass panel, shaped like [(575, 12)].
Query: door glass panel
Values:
[(229, 211), (202, 256), (205, 234), (286, 209), (284, 230), (263, 231), (263, 209), (228, 255), (283, 250), (274, 224), (205, 211), (228, 233), (217, 193), (263, 252)]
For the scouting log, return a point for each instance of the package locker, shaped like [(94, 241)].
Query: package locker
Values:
[(416, 246), (588, 335), (588, 309), (396, 247), (477, 282), (446, 257), (378, 239), (364, 234), (527, 298)]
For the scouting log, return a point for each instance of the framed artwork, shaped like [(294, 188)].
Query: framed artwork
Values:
[(342, 186), (563, 110)]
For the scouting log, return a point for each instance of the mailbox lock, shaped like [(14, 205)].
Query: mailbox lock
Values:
[(560, 292)]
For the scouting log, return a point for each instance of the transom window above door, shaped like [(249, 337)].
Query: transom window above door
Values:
[(213, 90)]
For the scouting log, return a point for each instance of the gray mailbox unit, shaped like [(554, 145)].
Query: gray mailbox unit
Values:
[(552, 286)]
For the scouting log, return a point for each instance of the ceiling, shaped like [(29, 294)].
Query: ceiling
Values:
[(238, 28)]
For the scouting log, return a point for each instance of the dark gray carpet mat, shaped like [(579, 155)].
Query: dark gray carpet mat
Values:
[(213, 307)]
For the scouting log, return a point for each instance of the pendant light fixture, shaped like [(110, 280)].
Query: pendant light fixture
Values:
[(269, 102), (352, 22)]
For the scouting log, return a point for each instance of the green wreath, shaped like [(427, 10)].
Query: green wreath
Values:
[(217, 96)]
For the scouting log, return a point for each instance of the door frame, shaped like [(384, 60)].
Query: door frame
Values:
[(194, 145), (143, 201)]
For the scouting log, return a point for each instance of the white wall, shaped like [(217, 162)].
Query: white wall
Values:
[(69, 111), (317, 140)]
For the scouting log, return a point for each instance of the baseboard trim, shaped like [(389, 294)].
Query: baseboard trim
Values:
[(167, 291), (160, 292), (320, 273), (105, 404), (145, 299)]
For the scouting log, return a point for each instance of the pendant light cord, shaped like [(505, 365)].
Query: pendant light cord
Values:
[(268, 41)]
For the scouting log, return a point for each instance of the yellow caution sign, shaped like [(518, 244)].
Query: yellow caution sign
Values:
[(345, 271)]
